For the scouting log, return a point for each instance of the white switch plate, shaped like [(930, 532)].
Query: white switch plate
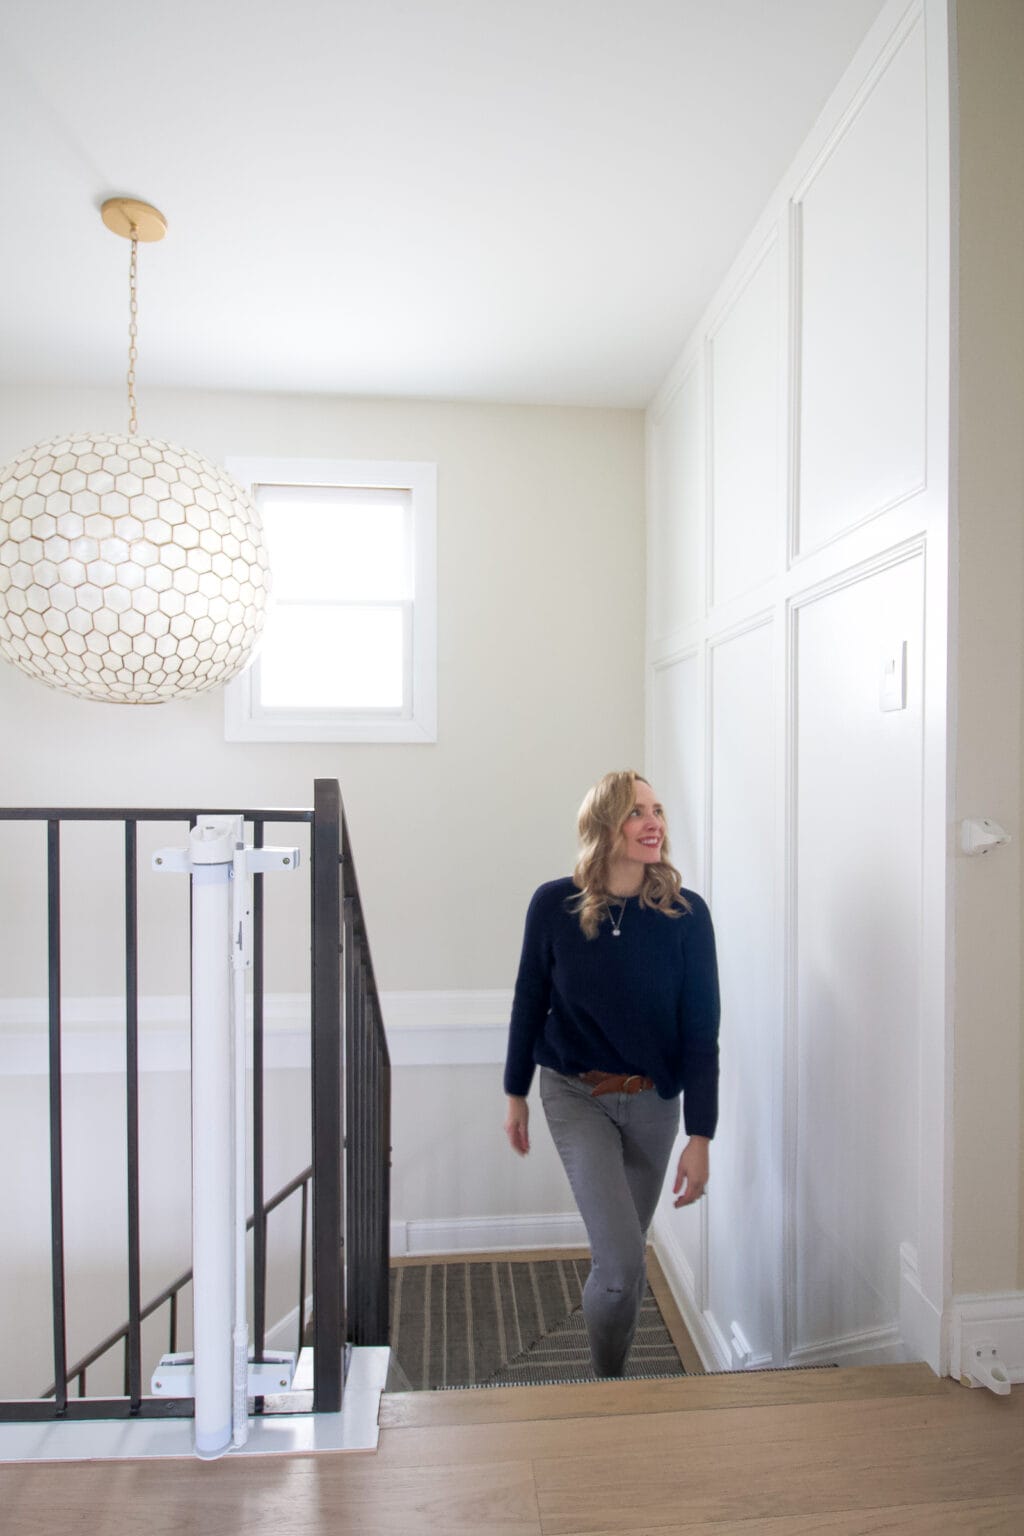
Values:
[(893, 689)]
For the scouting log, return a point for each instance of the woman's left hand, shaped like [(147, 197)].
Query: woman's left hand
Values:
[(692, 1171)]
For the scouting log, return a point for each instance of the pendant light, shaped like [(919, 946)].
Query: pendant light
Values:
[(132, 571)]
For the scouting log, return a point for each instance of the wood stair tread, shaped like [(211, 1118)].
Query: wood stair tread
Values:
[(494, 1405)]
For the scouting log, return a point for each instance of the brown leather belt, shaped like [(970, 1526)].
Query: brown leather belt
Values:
[(615, 1082)]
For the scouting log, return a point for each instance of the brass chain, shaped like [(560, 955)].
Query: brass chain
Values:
[(133, 334)]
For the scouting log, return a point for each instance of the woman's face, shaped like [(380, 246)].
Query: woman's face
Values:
[(643, 831)]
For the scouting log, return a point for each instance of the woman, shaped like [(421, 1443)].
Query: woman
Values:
[(617, 1002)]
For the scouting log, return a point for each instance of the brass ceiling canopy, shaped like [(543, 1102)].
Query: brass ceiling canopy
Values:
[(133, 219)]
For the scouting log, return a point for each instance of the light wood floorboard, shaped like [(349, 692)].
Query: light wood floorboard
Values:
[(966, 1517), (710, 1434), (327, 1495), (899, 1451), (644, 1487)]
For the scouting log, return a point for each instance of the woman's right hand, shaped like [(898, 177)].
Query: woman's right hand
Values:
[(517, 1123)]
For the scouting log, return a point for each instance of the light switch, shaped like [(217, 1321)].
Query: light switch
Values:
[(893, 692)]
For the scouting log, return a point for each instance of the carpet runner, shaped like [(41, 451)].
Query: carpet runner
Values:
[(505, 1323)]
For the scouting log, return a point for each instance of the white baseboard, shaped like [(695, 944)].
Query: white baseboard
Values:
[(868, 1346), (710, 1342), (992, 1322), (486, 1234)]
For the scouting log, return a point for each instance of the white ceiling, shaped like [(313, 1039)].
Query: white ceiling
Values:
[(505, 200)]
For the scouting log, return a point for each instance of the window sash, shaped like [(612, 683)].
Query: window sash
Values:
[(401, 711)]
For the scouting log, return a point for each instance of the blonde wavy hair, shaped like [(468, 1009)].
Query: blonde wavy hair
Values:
[(601, 819)]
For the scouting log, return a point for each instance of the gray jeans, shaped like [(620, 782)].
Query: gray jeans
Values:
[(615, 1149)]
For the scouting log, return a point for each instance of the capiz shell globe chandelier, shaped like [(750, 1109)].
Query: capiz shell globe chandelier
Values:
[(132, 571)]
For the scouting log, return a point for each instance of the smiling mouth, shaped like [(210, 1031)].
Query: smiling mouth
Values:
[(650, 842)]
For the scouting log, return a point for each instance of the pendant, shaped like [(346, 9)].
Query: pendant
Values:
[(616, 932)]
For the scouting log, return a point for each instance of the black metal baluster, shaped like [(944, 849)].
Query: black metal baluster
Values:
[(384, 1165), (133, 1341), (365, 1152), (303, 1226), (172, 1332), (355, 1123), (328, 1303), (60, 1362), (351, 1236)]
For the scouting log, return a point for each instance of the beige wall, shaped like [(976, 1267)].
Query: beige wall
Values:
[(988, 1103), (540, 557), (540, 562)]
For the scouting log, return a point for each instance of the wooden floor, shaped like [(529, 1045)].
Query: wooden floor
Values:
[(889, 1448)]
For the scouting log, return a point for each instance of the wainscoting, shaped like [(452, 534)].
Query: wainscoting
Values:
[(798, 458)]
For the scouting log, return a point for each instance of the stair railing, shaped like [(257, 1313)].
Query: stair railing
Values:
[(350, 1120)]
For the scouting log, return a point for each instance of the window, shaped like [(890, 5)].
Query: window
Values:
[(350, 648)]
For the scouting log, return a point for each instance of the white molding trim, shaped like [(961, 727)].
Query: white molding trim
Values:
[(486, 1234), (452, 1029), (921, 1322), (457, 1028), (995, 1320)]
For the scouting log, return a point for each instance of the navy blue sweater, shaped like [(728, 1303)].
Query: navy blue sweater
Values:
[(644, 1002)]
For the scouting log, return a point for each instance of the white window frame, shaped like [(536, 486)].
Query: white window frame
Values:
[(246, 718)]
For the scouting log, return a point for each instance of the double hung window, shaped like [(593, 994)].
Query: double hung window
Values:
[(349, 650)]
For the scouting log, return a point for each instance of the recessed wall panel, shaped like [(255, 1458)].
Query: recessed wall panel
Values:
[(744, 389), (742, 1201), (861, 239), (677, 763), (857, 947), (677, 772), (677, 512)]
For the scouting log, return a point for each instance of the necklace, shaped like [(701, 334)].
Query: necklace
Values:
[(616, 922)]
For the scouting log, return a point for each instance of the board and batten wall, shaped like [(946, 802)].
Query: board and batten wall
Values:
[(540, 527), (798, 562)]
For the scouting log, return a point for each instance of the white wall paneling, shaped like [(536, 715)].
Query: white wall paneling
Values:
[(816, 819), (744, 1252), (744, 401), (856, 950), (677, 760), (676, 485), (860, 242), (677, 767)]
